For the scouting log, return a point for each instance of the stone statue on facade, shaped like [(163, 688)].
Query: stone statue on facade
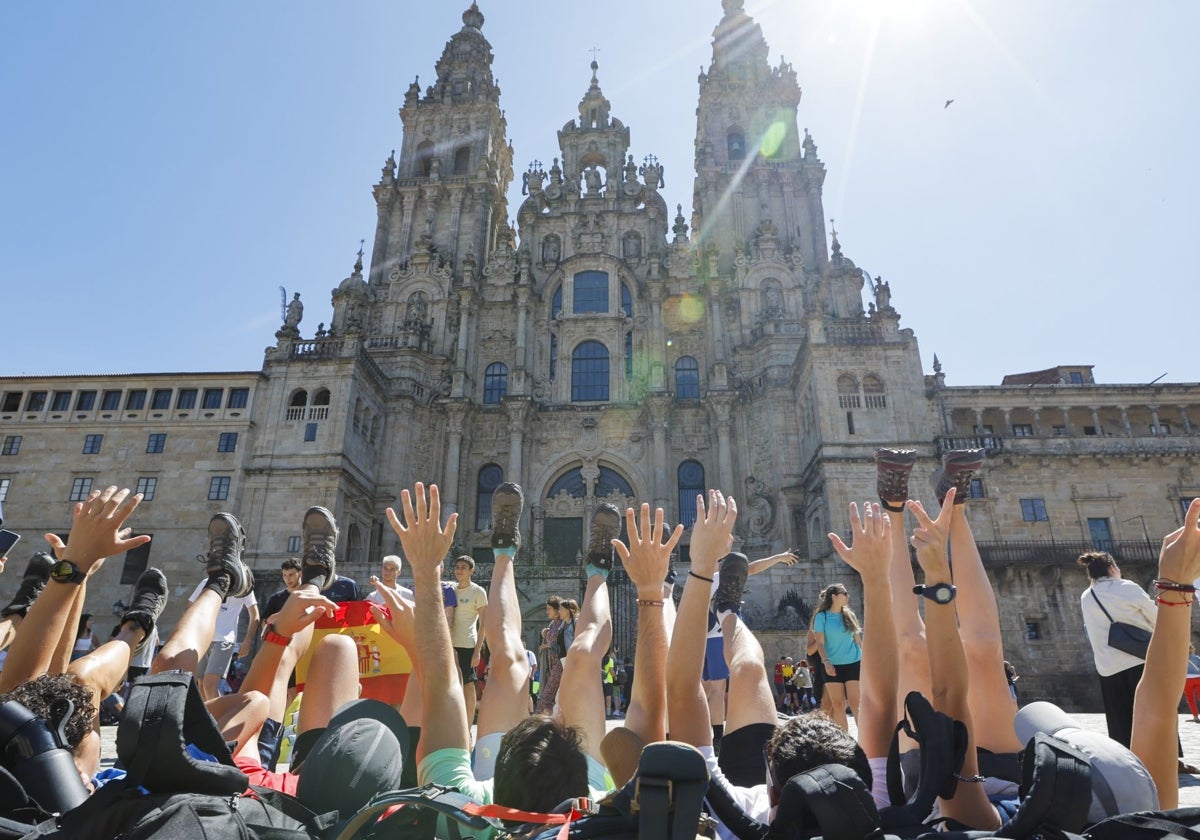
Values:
[(294, 313), (592, 179), (883, 294)]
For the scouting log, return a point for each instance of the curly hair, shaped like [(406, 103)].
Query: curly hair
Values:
[(38, 694), (810, 740)]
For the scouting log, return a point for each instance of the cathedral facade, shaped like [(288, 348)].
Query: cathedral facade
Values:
[(600, 345)]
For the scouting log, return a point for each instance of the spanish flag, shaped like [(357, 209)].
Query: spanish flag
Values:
[(383, 663)]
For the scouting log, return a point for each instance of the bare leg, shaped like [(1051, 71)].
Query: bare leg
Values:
[(992, 704), (836, 694), (192, 635), (103, 670), (505, 698), (210, 686), (470, 700), (8, 629), (240, 718), (714, 693), (580, 697), (332, 682), (748, 679), (910, 628)]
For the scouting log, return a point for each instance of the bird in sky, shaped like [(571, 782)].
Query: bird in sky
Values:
[(949, 102)]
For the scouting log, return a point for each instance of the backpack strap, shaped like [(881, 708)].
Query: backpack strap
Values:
[(831, 799), (163, 716), (720, 800), (943, 743), (1056, 789), (668, 791), (444, 800)]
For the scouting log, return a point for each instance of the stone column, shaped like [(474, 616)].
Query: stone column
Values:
[(465, 307), (1037, 422), (1007, 422), (658, 339), (659, 408), (722, 409), (518, 416), (383, 223), (1066, 413), (1096, 419), (1183, 415), (522, 360), (456, 414), (1125, 421), (1155, 426), (979, 422)]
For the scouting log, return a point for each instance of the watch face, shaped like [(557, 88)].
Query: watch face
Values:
[(943, 594), (63, 570)]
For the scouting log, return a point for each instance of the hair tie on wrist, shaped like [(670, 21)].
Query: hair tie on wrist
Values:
[(699, 577)]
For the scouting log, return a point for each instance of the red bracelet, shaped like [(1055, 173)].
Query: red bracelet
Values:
[(274, 638), (1187, 603)]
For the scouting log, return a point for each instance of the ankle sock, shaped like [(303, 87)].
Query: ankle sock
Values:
[(220, 582), (596, 570)]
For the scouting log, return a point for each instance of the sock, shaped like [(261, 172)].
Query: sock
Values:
[(509, 551), (596, 570), (220, 582), (718, 734)]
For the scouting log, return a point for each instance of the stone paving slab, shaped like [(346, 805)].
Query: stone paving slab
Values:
[(1189, 733)]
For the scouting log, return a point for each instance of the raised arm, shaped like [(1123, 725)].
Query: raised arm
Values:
[(425, 544), (1155, 706), (786, 558), (948, 664), (687, 707), (870, 555), (646, 560)]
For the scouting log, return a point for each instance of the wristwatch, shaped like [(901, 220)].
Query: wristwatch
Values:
[(939, 593), (64, 571)]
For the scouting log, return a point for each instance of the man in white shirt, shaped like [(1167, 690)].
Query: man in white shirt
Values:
[(220, 652), (466, 630)]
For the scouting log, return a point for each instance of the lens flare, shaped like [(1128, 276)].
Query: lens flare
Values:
[(691, 309), (772, 141)]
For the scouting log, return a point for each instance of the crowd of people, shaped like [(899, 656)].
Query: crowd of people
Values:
[(693, 652)]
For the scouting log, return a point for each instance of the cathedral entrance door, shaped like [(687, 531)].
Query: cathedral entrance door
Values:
[(563, 541)]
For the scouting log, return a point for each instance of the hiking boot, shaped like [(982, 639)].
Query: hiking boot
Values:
[(892, 469), (958, 468), (149, 598), (37, 572), (319, 532), (606, 527), (734, 568), (226, 541), (507, 502)]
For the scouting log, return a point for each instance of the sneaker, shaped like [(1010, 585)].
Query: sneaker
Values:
[(32, 584), (149, 598), (226, 541), (507, 503), (958, 468), (734, 568), (606, 527), (320, 535), (892, 469)]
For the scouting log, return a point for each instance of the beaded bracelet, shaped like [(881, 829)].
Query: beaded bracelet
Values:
[(976, 779), (699, 577), (1167, 585), (1186, 603), (646, 602)]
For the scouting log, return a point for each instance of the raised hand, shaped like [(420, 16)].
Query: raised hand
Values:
[(98, 528), (302, 608), (712, 535), (425, 540), (398, 619), (647, 558), (869, 552), (929, 537), (1179, 558)]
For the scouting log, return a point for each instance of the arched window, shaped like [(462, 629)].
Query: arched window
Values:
[(610, 481), (553, 357), (495, 383), (354, 544), (626, 301), (462, 160), (589, 372), (874, 395), (736, 144), (321, 397), (556, 303), (424, 159), (591, 292), (687, 379), (299, 399), (490, 477), (691, 484), (847, 387), (571, 483)]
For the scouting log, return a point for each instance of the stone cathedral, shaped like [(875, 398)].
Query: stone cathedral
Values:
[(597, 344)]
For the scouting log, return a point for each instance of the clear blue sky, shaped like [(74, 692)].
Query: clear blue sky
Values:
[(166, 166)]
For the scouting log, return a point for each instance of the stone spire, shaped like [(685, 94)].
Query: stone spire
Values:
[(472, 17), (594, 108), (738, 40), (464, 72)]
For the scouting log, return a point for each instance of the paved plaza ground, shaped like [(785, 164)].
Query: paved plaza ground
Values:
[(1189, 733)]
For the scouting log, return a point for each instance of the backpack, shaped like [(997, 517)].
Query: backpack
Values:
[(663, 801), (169, 793), (1181, 823)]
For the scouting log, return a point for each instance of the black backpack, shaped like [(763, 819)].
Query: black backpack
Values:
[(167, 792), (1182, 823)]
